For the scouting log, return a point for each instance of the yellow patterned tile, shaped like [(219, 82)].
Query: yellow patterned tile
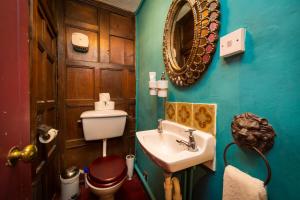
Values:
[(184, 114), (170, 111), (204, 117)]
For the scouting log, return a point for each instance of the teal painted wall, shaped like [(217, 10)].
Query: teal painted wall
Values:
[(264, 80)]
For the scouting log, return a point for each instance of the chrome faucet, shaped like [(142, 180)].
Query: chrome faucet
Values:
[(159, 126), (191, 144)]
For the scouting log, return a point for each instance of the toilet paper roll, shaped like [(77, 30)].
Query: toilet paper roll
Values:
[(110, 105), (52, 132), (104, 97), (153, 92), (162, 93), (100, 105), (162, 84), (152, 84)]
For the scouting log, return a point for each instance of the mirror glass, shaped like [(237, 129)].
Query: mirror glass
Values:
[(182, 35)]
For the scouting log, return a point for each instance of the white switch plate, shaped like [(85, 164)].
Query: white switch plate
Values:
[(233, 43)]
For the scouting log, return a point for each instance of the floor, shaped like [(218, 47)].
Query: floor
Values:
[(130, 190)]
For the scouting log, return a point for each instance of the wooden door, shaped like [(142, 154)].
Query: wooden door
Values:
[(45, 170), (15, 181)]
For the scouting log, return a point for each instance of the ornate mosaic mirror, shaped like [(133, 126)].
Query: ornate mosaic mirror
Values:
[(190, 38)]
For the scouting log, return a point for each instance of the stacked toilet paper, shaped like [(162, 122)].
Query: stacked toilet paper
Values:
[(104, 102)]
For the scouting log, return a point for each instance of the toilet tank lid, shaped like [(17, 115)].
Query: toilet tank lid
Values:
[(103, 113)]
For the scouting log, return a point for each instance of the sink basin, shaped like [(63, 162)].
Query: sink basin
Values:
[(171, 156)]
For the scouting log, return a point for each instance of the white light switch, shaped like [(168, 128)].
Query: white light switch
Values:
[(233, 43)]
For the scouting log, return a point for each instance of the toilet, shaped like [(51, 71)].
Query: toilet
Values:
[(106, 173)]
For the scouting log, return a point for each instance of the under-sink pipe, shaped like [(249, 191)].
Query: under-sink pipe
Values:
[(176, 189), (168, 185), (191, 181), (146, 186), (184, 192)]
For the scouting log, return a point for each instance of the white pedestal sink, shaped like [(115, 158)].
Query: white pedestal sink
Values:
[(171, 156)]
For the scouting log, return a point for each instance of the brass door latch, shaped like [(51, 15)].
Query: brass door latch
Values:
[(28, 154)]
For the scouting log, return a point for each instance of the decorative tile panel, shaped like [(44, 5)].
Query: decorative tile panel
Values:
[(184, 113), (198, 116), (204, 117), (171, 111)]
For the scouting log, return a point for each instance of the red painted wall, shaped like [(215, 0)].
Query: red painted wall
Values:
[(14, 96)]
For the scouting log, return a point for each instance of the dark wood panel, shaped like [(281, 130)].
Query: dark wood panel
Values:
[(121, 51), (39, 76), (121, 26), (80, 83), (48, 37), (50, 79), (39, 25), (74, 127), (117, 50), (131, 110), (73, 63), (51, 117), (128, 52), (112, 82), (91, 55), (82, 25), (81, 12), (104, 36), (131, 84)]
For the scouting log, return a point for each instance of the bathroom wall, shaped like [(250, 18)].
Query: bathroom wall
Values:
[(264, 80), (108, 66)]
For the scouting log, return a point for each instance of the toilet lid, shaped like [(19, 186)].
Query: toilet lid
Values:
[(107, 169)]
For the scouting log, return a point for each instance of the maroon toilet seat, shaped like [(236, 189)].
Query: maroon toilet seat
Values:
[(107, 171)]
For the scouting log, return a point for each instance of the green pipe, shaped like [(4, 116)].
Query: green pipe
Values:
[(191, 183), (184, 185), (147, 187)]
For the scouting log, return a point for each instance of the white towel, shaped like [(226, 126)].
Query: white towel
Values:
[(238, 185)]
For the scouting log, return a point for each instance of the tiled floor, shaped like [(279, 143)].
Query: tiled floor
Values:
[(130, 190)]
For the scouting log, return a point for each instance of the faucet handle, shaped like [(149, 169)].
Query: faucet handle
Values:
[(190, 131)]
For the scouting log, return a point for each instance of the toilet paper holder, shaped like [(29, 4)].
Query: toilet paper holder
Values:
[(43, 131)]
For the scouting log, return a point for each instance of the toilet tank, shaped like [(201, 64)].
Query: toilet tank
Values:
[(103, 124)]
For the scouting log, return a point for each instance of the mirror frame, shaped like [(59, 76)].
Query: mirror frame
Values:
[(206, 25)]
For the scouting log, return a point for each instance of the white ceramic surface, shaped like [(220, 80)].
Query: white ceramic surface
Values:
[(105, 193), (104, 124), (171, 156)]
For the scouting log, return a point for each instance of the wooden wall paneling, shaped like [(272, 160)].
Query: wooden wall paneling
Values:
[(83, 155), (128, 52), (74, 127), (97, 79), (39, 75), (104, 35), (117, 50), (50, 77), (91, 55), (121, 26), (121, 51), (131, 84), (112, 81), (84, 76), (80, 83), (81, 12)]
